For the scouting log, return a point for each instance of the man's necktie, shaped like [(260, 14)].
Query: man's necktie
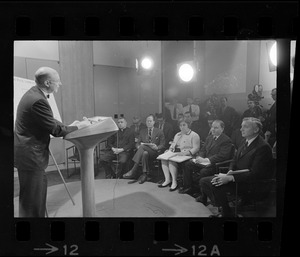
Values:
[(136, 128), (149, 134), (191, 109), (245, 146)]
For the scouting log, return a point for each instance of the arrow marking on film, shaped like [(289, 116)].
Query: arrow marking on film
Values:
[(52, 249), (179, 250)]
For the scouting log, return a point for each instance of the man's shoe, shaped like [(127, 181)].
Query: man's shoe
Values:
[(143, 178), (202, 199), (183, 190)]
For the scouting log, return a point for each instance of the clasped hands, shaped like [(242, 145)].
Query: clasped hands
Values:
[(221, 179)]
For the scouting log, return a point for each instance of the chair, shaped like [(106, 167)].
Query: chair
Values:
[(116, 162), (72, 155)]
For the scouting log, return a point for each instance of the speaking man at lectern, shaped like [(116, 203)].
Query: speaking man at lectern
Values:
[(33, 126)]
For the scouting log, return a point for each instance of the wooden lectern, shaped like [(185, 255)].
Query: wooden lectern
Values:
[(85, 140)]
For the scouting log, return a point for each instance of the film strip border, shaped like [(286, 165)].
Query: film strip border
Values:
[(135, 21), (216, 20), (144, 236)]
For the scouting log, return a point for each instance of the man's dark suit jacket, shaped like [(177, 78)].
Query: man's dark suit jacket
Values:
[(122, 139), (271, 119), (257, 158), (157, 137), (216, 150), (168, 133), (34, 124)]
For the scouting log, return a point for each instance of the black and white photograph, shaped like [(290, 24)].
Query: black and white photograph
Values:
[(172, 128)]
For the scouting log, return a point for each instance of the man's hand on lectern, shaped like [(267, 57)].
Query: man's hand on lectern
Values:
[(83, 124), (74, 123)]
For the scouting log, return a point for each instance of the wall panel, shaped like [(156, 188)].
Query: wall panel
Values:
[(20, 67), (76, 73), (106, 90)]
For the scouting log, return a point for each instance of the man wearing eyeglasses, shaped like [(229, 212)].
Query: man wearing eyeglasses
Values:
[(33, 127)]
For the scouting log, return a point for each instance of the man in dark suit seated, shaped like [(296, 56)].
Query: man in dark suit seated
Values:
[(217, 148), (150, 141), (166, 127), (252, 162), (119, 146)]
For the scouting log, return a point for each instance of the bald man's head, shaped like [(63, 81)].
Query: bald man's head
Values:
[(47, 79)]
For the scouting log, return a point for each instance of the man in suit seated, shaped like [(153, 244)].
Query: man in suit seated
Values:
[(150, 141), (217, 148), (166, 127), (119, 146), (137, 126), (252, 162)]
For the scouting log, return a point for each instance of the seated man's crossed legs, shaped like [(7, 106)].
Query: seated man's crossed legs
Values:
[(106, 158), (143, 155)]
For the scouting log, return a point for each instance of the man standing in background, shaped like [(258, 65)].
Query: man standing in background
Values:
[(228, 115), (194, 109), (33, 127)]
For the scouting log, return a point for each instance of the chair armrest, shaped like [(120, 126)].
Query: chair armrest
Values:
[(222, 167), (223, 163)]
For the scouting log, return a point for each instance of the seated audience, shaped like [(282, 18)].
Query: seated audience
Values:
[(119, 146), (217, 148), (186, 142), (252, 162), (192, 108), (166, 127), (137, 126), (155, 139), (228, 115)]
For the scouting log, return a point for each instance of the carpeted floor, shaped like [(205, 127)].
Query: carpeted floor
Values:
[(74, 175)]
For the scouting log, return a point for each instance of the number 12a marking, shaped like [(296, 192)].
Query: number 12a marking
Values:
[(203, 250), (73, 249)]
